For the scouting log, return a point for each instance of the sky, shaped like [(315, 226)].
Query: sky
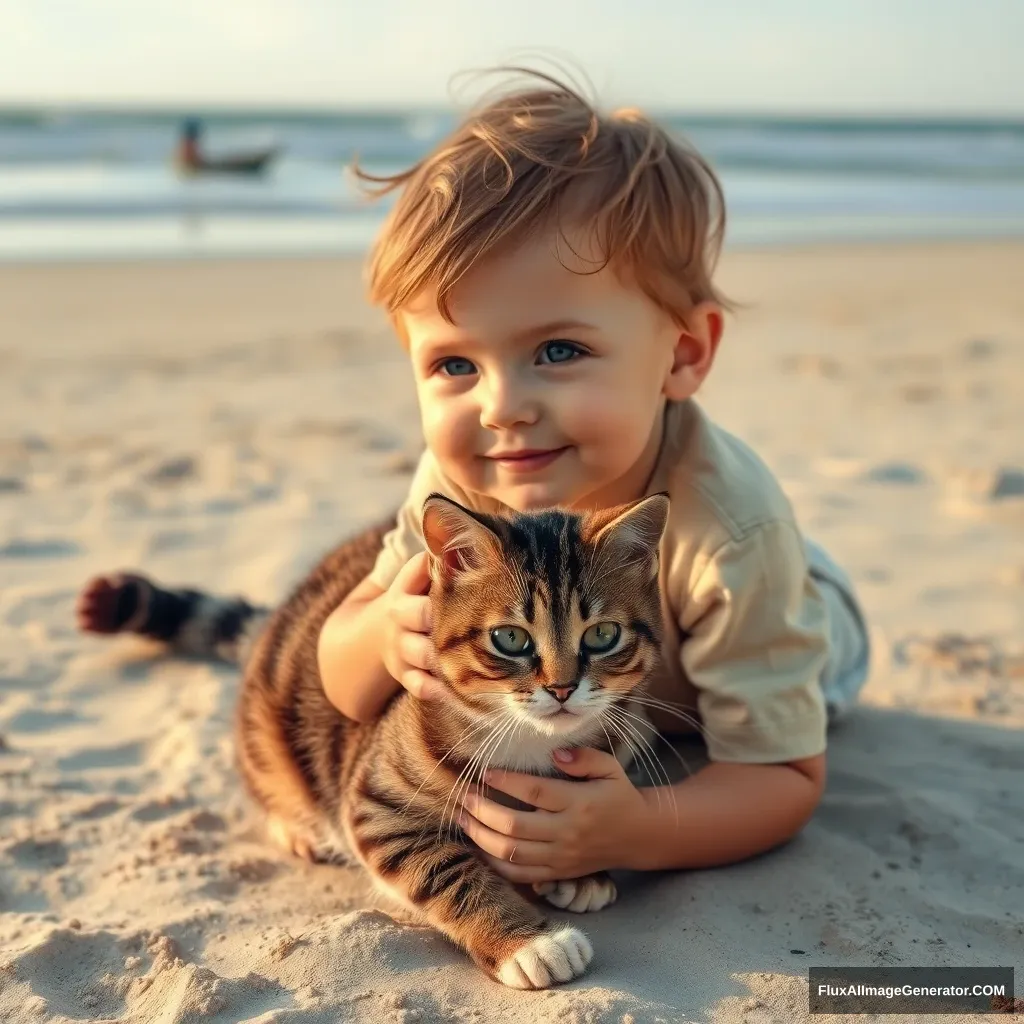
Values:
[(938, 57)]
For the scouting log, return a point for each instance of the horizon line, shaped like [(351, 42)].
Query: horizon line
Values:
[(325, 108)]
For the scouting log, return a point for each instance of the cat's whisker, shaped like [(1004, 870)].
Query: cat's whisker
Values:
[(484, 765), (619, 731), (656, 770), (444, 813), (611, 745), (493, 737), (473, 726), (517, 765), (624, 731), (492, 740), (621, 714), (673, 709), (643, 751), (670, 792), (646, 724), (483, 762), (481, 758), (637, 752), (689, 720)]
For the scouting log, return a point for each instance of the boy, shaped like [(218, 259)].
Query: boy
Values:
[(548, 269)]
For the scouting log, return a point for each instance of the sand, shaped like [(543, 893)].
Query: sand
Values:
[(223, 424)]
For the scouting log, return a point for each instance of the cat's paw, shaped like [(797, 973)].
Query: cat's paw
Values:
[(294, 840), (580, 895), (548, 959), (284, 834)]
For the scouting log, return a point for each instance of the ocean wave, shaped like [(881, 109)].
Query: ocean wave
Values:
[(976, 149), (77, 181)]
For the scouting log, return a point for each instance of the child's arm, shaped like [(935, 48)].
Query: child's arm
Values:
[(377, 641), (726, 812), (351, 667)]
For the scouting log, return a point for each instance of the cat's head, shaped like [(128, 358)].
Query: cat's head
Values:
[(550, 617)]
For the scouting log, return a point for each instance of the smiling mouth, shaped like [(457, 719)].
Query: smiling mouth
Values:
[(528, 459)]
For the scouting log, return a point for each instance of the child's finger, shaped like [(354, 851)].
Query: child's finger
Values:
[(414, 576), (422, 685), (412, 612), (417, 650)]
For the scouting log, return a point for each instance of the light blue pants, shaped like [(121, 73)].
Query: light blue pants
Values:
[(849, 657)]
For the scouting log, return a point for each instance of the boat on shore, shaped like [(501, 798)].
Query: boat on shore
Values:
[(191, 159)]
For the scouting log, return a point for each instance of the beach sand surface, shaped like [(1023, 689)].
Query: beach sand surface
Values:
[(222, 424)]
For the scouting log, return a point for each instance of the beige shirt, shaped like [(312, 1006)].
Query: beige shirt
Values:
[(745, 624)]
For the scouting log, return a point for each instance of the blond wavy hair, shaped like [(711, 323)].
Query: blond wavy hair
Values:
[(518, 164)]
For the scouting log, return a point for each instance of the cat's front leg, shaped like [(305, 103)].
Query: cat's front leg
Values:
[(580, 895), (457, 893)]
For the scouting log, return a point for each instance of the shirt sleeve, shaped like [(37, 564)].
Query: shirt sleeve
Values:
[(756, 642), (406, 539)]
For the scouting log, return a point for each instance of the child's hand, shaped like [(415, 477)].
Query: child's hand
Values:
[(577, 829), (408, 651)]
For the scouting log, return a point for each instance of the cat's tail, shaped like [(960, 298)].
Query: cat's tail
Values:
[(190, 622)]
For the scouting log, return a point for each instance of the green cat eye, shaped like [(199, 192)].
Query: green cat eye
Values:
[(602, 636), (512, 640)]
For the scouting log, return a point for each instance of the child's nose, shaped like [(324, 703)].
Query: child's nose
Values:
[(506, 404)]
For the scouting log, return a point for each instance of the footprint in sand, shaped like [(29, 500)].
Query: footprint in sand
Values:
[(919, 392), (171, 471), (980, 349), (27, 676), (157, 810), (19, 606), (94, 758), (80, 974), (42, 719), (859, 470), (24, 547), (66, 972), (901, 473), (39, 855), (163, 541), (876, 574), (97, 809)]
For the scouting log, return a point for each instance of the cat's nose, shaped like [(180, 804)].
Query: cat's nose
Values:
[(562, 693)]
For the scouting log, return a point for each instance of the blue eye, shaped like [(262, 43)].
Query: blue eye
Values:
[(457, 367), (561, 351)]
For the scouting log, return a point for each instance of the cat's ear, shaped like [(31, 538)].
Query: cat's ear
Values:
[(457, 540), (637, 527)]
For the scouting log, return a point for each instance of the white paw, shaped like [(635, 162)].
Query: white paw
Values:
[(580, 895), (547, 960)]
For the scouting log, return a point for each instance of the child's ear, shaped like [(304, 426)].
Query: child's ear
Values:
[(457, 540), (637, 528), (694, 353)]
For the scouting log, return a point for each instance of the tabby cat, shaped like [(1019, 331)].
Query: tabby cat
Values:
[(545, 625)]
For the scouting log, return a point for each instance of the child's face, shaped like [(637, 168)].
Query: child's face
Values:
[(544, 360)]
